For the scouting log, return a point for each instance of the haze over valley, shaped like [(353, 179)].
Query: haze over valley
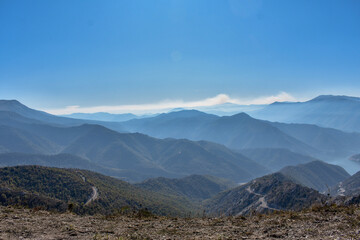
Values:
[(238, 148)]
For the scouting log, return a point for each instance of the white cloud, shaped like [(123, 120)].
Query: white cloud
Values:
[(166, 105), (281, 97)]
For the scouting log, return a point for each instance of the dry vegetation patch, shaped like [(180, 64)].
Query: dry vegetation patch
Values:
[(330, 222)]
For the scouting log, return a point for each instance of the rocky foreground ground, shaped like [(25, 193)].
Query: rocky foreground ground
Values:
[(331, 222)]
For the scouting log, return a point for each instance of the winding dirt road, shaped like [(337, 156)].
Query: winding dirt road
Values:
[(95, 192), (260, 203), (94, 195)]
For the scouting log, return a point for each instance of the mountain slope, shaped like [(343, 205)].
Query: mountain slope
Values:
[(133, 156), (24, 111), (16, 107), (268, 193), (340, 112), (102, 116), (332, 143), (59, 160), (237, 132), (77, 186), (62, 161), (167, 157), (180, 124), (241, 131), (194, 187), (348, 187), (276, 158), (16, 140), (317, 175)]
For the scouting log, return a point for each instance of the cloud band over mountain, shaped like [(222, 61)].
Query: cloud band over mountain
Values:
[(171, 104)]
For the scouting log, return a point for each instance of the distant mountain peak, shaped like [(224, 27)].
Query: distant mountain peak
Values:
[(187, 113), (334, 98), (242, 115), (177, 109), (281, 103), (15, 106), (11, 103), (102, 116), (94, 127)]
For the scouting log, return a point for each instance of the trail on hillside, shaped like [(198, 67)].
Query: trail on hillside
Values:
[(341, 190), (260, 203), (94, 194)]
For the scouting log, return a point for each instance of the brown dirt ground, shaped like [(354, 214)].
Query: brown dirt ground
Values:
[(330, 222)]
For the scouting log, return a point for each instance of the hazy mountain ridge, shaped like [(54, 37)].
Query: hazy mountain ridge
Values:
[(16, 140), (134, 156), (241, 131), (331, 142), (102, 116), (62, 160), (180, 124), (237, 132), (168, 157), (276, 158), (29, 113), (194, 187), (340, 112), (16, 107)]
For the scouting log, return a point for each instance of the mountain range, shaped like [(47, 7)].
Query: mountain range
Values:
[(103, 116), (237, 132), (340, 112), (241, 132), (64, 160), (86, 192), (275, 159), (331, 111), (196, 160), (333, 143), (132, 156), (136, 156), (15, 106)]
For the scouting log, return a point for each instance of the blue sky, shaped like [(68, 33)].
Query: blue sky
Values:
[(55, 54)]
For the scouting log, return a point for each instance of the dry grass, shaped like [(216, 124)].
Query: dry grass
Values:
[(318, 222)]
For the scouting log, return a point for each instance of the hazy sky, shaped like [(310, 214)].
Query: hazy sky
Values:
[(55, 54)]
